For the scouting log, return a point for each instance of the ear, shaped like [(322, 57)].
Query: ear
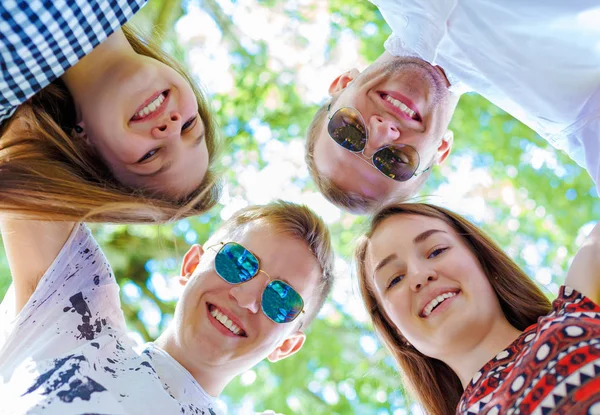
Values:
[(341, 82), (288, 347), (445, 147), (190, 261)]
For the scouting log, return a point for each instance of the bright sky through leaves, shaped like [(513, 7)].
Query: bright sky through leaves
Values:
[(267, 65)]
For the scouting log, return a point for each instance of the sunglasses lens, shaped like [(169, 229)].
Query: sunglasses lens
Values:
[(398, 162), (281, 303), (235, 264), (347, 128)]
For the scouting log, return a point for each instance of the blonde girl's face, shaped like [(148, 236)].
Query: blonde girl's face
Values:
[(430, 285), (143, 120)]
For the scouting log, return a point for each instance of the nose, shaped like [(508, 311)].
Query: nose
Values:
[(248, 295), (418, 279), (381, 132), (167, 126)]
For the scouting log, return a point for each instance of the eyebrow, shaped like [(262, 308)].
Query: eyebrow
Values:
[(420, 238), (384, 262)]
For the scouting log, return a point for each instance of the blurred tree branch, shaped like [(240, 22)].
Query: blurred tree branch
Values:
[(133, 320), (163, 23), (230, 32)]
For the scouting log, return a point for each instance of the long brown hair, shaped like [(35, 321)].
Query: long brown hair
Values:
[(47, 172), (430, 380)]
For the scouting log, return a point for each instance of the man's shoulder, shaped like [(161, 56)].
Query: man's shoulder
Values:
[(76, 301)]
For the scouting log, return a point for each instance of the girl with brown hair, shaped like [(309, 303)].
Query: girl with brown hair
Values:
[(471, 333), (124, 135)]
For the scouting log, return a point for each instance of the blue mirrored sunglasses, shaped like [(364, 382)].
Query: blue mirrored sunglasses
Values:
[(236, 265)]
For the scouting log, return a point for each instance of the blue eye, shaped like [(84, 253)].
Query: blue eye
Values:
[(436, 252), (395, 281)]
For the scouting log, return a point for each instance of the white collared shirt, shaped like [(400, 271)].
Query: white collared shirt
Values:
[(537, 60)]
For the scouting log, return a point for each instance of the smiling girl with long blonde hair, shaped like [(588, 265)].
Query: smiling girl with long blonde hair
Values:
[(124, 135)]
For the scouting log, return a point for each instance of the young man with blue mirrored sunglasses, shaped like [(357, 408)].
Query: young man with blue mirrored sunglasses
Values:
[(248, 294)]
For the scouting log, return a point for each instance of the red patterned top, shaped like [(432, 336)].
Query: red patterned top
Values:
[(552, 368)]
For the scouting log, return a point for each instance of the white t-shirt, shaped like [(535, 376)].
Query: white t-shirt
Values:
[(68, 352), (537, 60)]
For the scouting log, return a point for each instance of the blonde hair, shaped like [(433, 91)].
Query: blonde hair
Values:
[(431, 381), (48, 173), (299, 222), (349, 201)]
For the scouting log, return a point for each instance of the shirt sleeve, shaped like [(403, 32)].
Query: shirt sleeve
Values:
[(418, 26), (587, 141), (75, 301), (40, 40), (571, 301)]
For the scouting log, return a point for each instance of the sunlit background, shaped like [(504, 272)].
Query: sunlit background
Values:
[(267, 65)]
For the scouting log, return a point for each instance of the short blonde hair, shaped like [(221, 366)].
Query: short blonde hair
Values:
[(49, 173), (350, 201), (299, 222)]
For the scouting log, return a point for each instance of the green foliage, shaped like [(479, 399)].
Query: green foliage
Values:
[(334, 374), (362, 18)]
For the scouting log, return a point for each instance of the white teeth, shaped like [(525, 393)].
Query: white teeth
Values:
[(225, 321), (400, 105), (151, 107), (437, 300)]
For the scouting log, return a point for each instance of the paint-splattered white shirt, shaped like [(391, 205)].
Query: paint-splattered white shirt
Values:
[(68, 352)]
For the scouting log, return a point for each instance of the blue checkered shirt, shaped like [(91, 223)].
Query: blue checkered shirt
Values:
[(41, 39)]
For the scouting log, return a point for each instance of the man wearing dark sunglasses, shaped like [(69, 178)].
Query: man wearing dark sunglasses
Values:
[(248, 295), (537, 60), (381, 133)]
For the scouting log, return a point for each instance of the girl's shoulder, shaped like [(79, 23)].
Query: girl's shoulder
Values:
[(551, 360), (571, 302)]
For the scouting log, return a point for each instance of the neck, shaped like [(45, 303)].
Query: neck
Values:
[(82, 78), (212, 379), (500, 336)]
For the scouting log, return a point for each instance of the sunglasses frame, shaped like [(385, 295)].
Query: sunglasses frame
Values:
[(371, 161), (222, 245)]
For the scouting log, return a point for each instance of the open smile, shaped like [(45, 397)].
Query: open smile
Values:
[(224, 322), (439, 303), (400, 105), (152, 107)]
